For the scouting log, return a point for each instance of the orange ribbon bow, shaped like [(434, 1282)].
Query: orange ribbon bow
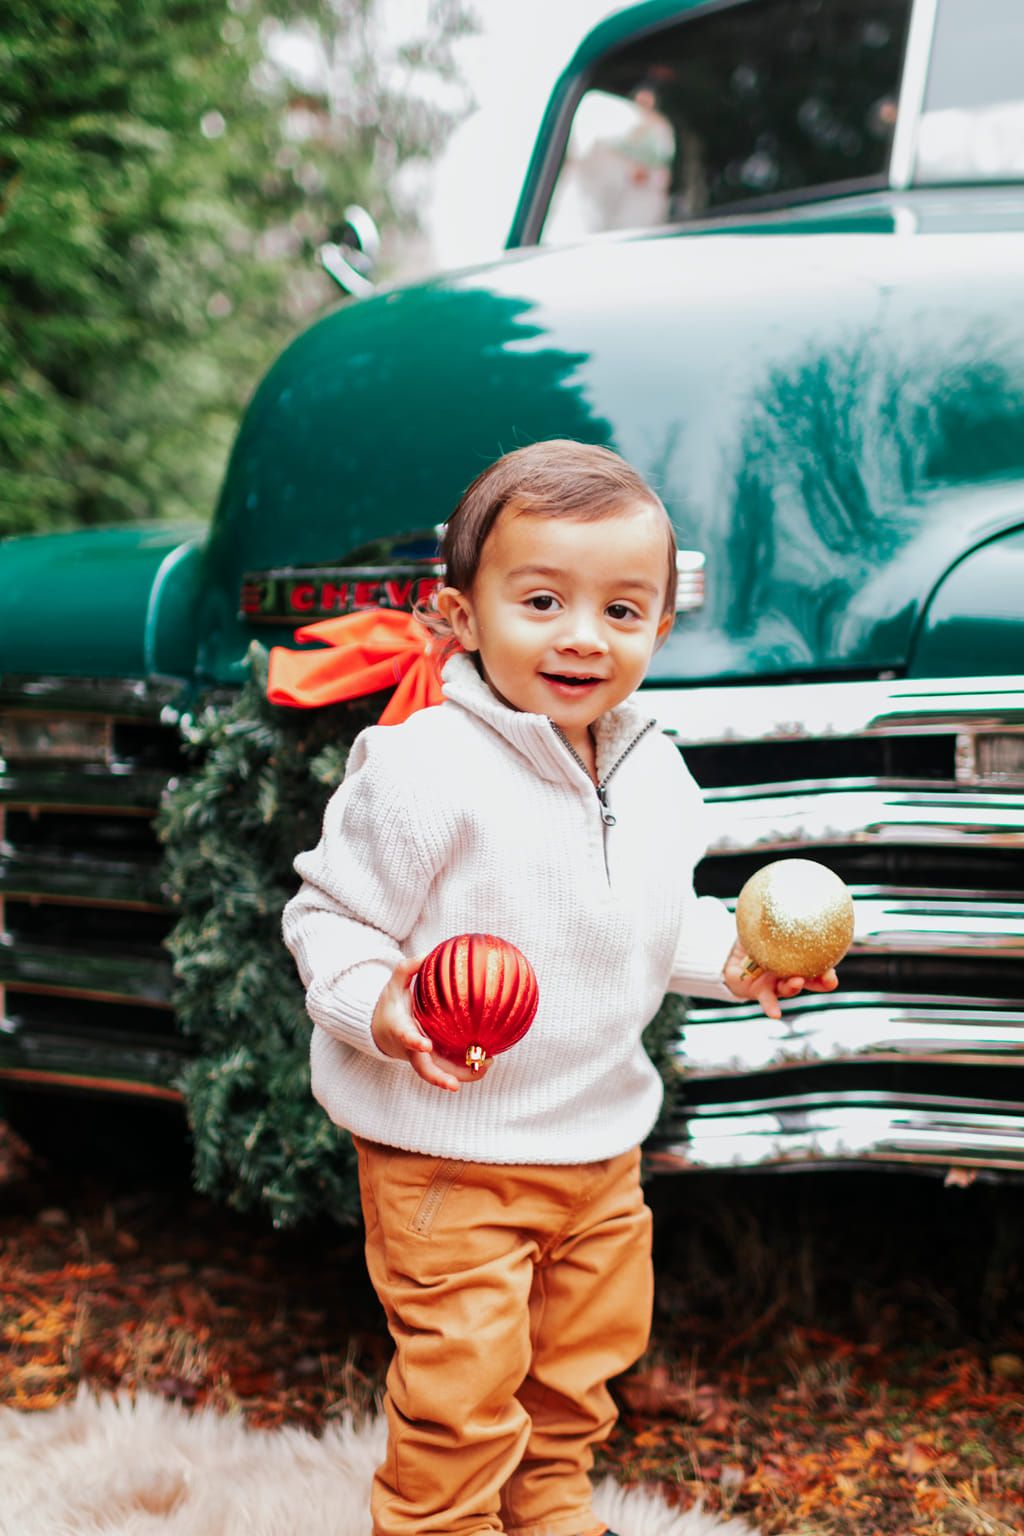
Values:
[(366, 651)]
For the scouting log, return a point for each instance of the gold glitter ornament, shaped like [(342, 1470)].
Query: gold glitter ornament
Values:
[(794, 917)]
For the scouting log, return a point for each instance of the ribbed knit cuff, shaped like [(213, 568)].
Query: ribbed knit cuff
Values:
[(344, 1006), (703, 950)]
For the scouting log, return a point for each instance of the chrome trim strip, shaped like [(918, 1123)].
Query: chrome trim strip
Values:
[(71, 879), (85, 787), (130, 698), (933, 818), (724, 1042), (912, 89), (808, 711), (41, 1054), (675, 1157), (949, 1107), (145, 979), (916, 926), (51, 739), (846, 1127), (889, 784)]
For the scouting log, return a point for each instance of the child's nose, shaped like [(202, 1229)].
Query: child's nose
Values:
[(583, 633)]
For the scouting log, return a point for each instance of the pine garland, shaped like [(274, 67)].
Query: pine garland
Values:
[(231, 828)]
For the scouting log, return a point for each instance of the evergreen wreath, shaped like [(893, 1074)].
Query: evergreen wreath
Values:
[(260, 777)]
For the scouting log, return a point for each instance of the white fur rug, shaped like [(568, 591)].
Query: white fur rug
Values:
[(98, 1466)]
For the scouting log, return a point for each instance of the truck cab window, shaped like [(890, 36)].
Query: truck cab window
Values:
[(721, 111), (972, 126), (617, 172)]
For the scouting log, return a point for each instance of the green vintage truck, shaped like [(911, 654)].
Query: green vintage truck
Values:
[(773, 252)]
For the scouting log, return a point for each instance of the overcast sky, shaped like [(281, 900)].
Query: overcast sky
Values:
[(510, 68)]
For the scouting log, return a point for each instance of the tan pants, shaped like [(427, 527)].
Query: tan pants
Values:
[(513, 1293)]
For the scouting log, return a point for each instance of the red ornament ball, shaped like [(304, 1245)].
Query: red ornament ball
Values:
[(475, 995)]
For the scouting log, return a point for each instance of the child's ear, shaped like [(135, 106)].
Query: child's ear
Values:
[(665, 624), (455, 608)]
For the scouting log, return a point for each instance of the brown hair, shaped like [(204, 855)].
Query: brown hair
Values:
[(558, 478)]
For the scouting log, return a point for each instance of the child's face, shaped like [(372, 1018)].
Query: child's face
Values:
[(565, 613)]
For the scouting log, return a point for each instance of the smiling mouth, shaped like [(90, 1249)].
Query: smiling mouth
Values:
[(574, 680)]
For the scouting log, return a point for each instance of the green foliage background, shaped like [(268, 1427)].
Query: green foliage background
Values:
[(260, 778), (231, 828), (163, 186)]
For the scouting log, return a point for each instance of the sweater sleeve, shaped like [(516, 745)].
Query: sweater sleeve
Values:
[(363, 886), (705, 939), (708, 928)]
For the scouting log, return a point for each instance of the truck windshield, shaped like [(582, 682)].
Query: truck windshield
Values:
[(746, 105), (972, 126)]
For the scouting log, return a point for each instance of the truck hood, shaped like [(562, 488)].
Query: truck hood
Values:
[(833, 418), (102, 602)]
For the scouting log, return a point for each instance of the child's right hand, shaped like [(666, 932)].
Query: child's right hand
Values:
[(396, 1032)]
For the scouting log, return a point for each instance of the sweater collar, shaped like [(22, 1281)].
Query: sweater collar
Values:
[(534, 735)]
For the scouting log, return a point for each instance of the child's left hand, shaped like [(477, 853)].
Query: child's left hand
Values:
[(766, 988)]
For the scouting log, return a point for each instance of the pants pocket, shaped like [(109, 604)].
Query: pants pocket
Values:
[(445, 1175)]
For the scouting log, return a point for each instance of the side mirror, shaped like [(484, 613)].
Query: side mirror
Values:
[(351, 255)]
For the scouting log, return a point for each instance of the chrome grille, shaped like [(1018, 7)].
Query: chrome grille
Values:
[(85, 983), (911, 791)]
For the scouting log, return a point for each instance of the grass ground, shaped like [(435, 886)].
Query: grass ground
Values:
[(834, 1355)]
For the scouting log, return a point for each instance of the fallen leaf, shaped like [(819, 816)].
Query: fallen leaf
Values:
[(1007, 1367)]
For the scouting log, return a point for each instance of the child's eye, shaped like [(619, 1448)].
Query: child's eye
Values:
[(543, 602), (622, 611)]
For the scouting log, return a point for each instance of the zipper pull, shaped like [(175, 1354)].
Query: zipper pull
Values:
[(606, 815)]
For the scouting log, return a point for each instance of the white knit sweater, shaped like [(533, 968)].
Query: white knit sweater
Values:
[(474, 817)]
